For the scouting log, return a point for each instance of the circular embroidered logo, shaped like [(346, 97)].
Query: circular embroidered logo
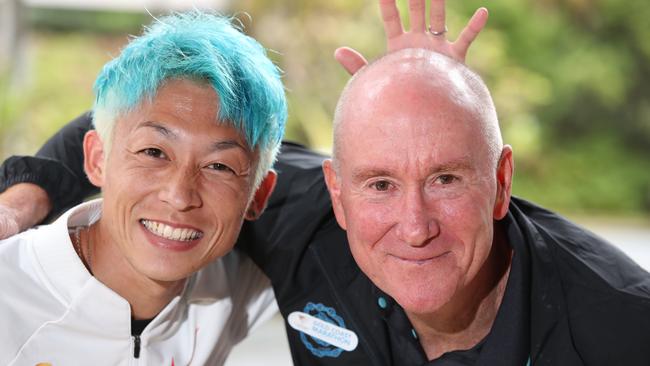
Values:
[(317, 346)]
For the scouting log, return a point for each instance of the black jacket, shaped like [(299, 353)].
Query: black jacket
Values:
[(589, 303)]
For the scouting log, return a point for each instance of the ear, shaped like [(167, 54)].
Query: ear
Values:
[(504, 173), (261, 197), (94, 158), (334, 187)]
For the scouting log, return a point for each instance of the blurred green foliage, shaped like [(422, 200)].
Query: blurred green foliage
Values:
[(54, 86), (570, 80), (80, 21)]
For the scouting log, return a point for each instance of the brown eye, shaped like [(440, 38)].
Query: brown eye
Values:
[(153, 152), (220, 168), (446, 179), (381, 185)]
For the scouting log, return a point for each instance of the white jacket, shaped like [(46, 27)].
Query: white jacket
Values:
[(52, 310)]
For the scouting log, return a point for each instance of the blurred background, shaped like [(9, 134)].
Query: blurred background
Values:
[(570, 78)]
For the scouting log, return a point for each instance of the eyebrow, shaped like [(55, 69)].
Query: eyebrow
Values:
[(159, 128), (216, 146), (363, 173), (462, 163), (228, 144)]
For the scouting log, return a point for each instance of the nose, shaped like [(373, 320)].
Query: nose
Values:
[(416, 221), (179, 190)]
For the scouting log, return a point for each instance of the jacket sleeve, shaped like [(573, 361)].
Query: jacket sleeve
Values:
[(57, 167)]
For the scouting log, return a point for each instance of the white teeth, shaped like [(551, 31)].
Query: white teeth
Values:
[(169, 232), (176, 234)]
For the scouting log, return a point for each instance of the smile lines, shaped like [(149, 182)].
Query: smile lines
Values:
[(169, 232)]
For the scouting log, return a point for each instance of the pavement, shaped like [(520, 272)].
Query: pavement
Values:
[(267, 346)]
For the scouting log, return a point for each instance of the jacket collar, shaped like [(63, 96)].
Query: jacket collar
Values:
[(55, 251)]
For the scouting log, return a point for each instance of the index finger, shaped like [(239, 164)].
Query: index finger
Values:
[(470, 32)]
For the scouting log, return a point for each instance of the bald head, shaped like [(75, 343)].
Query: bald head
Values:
[(415, 78)]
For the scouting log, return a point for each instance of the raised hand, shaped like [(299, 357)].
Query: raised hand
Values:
[(433, 38)]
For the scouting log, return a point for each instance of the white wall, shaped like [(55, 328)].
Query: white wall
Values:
[(129, 5)]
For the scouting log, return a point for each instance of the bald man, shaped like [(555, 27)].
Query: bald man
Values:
[(418, 177), (421, 182)]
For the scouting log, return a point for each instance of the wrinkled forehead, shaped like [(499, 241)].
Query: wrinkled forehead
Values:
[(187, 99), (400, 124), (181, 105)]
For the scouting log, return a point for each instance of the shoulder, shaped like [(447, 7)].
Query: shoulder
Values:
[(299, 157), (296, 210), (236, 278), (22, 257), (299, 170), (251, 289), (603, 295), (18, 260), (300, 190), (24, 289), (240, 268), (582, 257), (233, 275)]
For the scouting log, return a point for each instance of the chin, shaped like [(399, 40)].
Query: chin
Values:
[(421, 304), (167, 273), (424, 298)]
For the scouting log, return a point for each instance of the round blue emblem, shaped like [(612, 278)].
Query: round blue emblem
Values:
[(316, 346)]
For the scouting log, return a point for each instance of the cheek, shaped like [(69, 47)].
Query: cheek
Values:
[(367, 222), (224, 207), (227, 200), (126, 178), (123, 192), (221, 242), (368, 225), (469, 218)]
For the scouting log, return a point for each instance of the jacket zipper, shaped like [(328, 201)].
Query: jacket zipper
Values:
[(136, 346)]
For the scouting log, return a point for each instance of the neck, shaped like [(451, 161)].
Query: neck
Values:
[(146, 296), (468, 317)]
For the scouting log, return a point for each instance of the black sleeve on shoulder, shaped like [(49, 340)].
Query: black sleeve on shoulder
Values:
[(57, 167), (297, 209)]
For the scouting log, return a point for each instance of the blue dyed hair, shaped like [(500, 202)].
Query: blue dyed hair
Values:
[(208, 48)]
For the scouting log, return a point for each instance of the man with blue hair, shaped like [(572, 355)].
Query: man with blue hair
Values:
[(189, 119), (330, 305)]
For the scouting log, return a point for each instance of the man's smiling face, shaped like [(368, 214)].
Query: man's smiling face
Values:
[(176, 183), (415, 185)]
